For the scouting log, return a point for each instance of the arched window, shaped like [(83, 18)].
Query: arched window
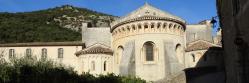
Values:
[(133, 27), (179, 53), (193, 57), (93, 66), (44, 53), (60, 53), (105, 66), (146, 25), (28, 52), (11, 53), (170, 26), (164, 25), (139, 26), (152, 25), (149, 51), (158, 25), (119, 54), (123, 29), (128, 28)]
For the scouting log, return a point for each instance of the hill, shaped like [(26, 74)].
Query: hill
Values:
[(51, 25)]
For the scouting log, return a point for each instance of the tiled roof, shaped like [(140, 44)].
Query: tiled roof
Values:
[(74, 43), (199, 45), (95, 49)]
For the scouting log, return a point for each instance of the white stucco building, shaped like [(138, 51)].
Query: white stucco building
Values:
[(149, 43)]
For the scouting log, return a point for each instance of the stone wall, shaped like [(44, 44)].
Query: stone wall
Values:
[(199, 32)]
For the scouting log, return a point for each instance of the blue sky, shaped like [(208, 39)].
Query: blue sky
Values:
[(193, 11)]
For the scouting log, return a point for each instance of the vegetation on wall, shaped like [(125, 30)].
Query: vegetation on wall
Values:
[(50, 25), (31, 70)]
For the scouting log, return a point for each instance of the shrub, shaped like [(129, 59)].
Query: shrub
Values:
[(31, 70)]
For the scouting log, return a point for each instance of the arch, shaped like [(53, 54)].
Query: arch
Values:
[(149, 51), (139, 26), (119, 54), (179, 52), (105, 66), (119, 30), (164, 25), (175, 26), (158, 25), (179, 27), (128, 28), (152, 25), (146, 25), (123, 29), (170, 25), (133, 27)]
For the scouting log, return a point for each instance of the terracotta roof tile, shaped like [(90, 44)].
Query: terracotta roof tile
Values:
[(95, 49), (199, 45)]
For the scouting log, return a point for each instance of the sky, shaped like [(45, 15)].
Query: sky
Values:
[(193, 11)]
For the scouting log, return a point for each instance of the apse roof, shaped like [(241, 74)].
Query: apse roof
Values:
[(148, 10)]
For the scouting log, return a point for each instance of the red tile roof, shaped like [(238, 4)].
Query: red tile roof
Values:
[(96, 49), (199, 45)]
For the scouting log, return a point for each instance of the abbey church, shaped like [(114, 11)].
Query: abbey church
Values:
[(148, 42)]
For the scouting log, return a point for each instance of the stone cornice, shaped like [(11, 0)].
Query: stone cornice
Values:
[(115, 25)]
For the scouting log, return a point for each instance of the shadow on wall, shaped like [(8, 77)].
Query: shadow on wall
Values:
[(209, 69)]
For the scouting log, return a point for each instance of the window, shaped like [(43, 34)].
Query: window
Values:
[(44, 53), (60, 53), (158, 25), (152, 25), (149, 51), (139, 26), (146, 25), (28, 52), (133, 27), (105, 66), (170, 25), (11, 53), (93, 66), (193, 57), (164, 25)]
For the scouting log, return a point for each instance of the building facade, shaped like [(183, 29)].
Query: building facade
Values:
[(149, 43)]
